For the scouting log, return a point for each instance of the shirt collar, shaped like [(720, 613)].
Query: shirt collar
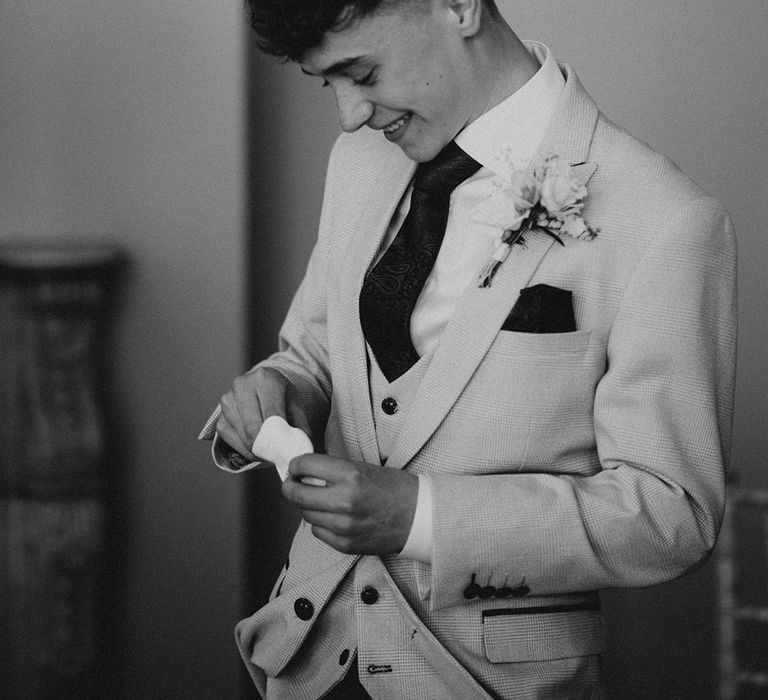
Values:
[(509, 134)]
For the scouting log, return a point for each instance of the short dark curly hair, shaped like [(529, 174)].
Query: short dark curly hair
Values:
[(290, 28)]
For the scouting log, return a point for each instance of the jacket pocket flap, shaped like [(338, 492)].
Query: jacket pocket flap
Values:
[(541, 634)]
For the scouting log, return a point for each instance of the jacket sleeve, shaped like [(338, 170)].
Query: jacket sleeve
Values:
[(662, 424), (302, 355)]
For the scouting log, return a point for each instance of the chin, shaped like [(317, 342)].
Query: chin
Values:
[(421, 152)]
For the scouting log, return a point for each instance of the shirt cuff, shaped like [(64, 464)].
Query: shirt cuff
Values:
[(418, 546), (229, 460)]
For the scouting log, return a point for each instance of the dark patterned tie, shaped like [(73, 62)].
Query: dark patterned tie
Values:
[(393, 285)]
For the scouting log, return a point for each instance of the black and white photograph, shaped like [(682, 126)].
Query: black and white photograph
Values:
[(383, 349)]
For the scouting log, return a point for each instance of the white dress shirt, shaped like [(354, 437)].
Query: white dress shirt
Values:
[(505, 137)]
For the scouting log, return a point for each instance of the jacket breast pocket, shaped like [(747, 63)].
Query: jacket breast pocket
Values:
[(523, 365), (528, 403), (541, 344), (541, 634)]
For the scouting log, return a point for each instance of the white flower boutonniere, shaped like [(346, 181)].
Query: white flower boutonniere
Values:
[(547, 196)]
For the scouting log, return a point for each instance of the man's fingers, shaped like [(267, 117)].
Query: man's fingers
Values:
[(330, 470), (246, 405), (332, 494), (312, 498), (363, 509), (272, 388), (257, 395), (333, 522)]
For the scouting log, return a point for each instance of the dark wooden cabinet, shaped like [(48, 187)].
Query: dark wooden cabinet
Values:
[(55, 312)]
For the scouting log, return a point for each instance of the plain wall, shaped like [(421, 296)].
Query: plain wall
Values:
[(124, 121), (687, 76)]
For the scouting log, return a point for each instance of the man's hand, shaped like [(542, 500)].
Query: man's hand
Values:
[(363, 509), (254, 397)]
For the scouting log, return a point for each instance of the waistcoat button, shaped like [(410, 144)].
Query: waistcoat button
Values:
[(303, 609), (389, 406), (369, 595)]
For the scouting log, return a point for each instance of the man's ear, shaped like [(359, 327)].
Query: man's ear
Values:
[(468, 14)]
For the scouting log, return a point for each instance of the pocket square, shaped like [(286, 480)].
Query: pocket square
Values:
[(542, 309)]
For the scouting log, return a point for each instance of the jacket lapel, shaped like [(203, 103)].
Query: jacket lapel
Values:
[(570, 133), (481, 311), (373, 218)]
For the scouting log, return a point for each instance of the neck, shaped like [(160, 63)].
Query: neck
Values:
[(505, 63)]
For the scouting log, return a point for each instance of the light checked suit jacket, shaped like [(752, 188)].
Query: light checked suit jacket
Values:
[(563, 463)]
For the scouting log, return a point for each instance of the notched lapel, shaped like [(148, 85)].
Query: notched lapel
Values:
[(583, 172)]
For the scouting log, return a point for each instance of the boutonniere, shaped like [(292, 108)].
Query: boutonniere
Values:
[(547, 196)]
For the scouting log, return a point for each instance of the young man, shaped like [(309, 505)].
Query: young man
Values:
[(525, 407)]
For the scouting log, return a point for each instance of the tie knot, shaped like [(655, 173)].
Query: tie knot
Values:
[(446, 171)]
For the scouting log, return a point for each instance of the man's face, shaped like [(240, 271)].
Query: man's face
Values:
[(403, 71)]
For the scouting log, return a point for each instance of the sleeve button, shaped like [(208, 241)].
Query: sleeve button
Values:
[(472, 590), (487, 592)]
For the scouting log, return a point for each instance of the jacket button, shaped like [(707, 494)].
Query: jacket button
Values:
[(369, 595), (389, 406), (303, 609), (344, 656)]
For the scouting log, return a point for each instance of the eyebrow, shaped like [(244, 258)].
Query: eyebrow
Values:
[(337, 67)]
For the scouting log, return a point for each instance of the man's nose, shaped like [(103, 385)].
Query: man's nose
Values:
[(354, 109)]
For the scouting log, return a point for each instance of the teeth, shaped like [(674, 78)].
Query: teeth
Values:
[(394, 126)]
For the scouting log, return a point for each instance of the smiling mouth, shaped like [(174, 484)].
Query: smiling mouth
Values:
[(394, 128)]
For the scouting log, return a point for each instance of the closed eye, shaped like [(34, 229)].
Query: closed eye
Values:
[(345, 68), (368, 79)]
